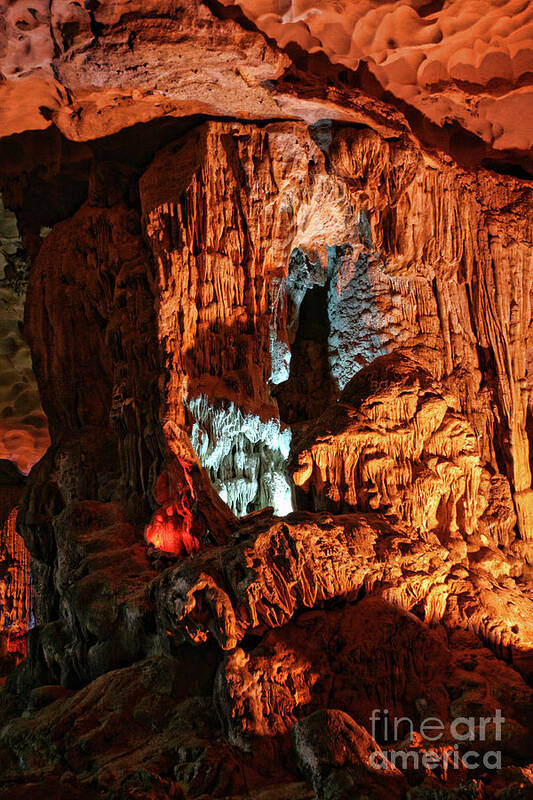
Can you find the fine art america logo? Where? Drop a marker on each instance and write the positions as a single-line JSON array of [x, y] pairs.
[[464, 743]]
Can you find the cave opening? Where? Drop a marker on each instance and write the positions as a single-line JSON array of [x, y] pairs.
[[310, 386]]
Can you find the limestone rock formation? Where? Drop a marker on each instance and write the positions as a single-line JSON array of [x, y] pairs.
[[463, 61], [459, 66], [277, 570], [257, 261], [396, 442], [329, 660], [276, 272], [16, 595]]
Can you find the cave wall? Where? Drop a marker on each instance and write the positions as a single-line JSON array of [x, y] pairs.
[[456, 73], [279, 318]]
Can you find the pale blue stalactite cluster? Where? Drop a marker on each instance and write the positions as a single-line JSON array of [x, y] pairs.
[[245, 457]]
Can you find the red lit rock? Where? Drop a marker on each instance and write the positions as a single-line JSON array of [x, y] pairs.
[[16, 601], [172, 528]]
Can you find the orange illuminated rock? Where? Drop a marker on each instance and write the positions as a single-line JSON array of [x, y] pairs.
[[396, 442], [366, 658], [277, 569], [15, 590], [463, 61], [454, 68], [392, 245]]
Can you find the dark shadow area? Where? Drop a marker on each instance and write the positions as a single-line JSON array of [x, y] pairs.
[[310, 387]]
